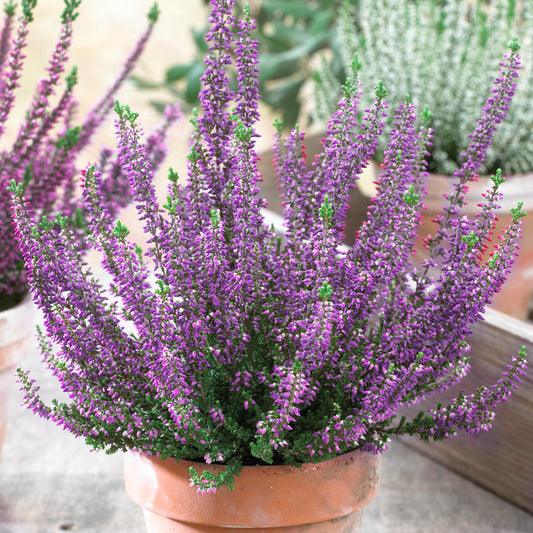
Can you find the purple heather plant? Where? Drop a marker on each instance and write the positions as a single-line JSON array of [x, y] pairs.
[[43, 156], [227, 342]]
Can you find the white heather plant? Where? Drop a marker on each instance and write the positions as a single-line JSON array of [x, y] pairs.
[[225, 343], [442, 54]]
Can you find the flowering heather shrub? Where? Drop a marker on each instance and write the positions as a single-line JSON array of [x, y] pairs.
[[43, 156], [443, 54], [225, 342]]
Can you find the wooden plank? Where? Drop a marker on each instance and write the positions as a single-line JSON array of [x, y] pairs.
[[502, 458]]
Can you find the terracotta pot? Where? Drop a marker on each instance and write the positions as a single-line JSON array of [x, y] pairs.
[[516, 295], [16, 332], [323, 497]]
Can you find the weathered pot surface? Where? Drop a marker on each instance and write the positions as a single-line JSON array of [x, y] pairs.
[[327, 496], [16, 327]]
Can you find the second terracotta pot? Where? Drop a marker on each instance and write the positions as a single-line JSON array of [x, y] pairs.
[[516, 294], [323, 497], [16, 329]]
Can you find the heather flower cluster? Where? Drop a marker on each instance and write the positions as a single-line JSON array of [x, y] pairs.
[[224, 341], [42, 157]]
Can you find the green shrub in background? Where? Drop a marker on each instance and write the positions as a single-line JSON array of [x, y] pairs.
[[442, 53], [290, 33]]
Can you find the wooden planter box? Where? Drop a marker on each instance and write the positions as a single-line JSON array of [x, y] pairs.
[[501, 459]]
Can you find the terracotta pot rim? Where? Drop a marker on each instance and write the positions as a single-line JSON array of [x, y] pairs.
[[264, 496], [217, 467], [506, 175]]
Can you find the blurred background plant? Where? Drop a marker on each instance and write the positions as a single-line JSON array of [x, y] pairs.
[[292, 34], [439, 52], [442, 54], [42, 156]]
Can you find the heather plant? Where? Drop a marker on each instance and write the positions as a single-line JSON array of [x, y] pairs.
[[443, 54], [42, 157], [224, 341]]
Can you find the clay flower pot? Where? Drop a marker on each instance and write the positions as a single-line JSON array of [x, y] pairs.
[[16, 332], [323, 497], [515, 296]]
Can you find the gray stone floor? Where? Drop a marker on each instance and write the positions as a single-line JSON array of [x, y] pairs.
[[51, 482]]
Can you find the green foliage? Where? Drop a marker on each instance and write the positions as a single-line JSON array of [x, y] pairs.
[[517, 212], [325, 291], [291, 33], [242, 133], [172, 176], [426, 115], [326, 211], [411, 198], [27, 9], [70, 139], [216, 480], [62, 220], [193, 155], [70, 13], [125, 112], [10, 8], [72, 78], [261, 449], [162, 288], [154, 13], [513, 45], [471, 239], [380, 90], [497, 178], [177, 72], [44, 224], [120, 230], [79, 221], [15, 188], [215, 218]]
